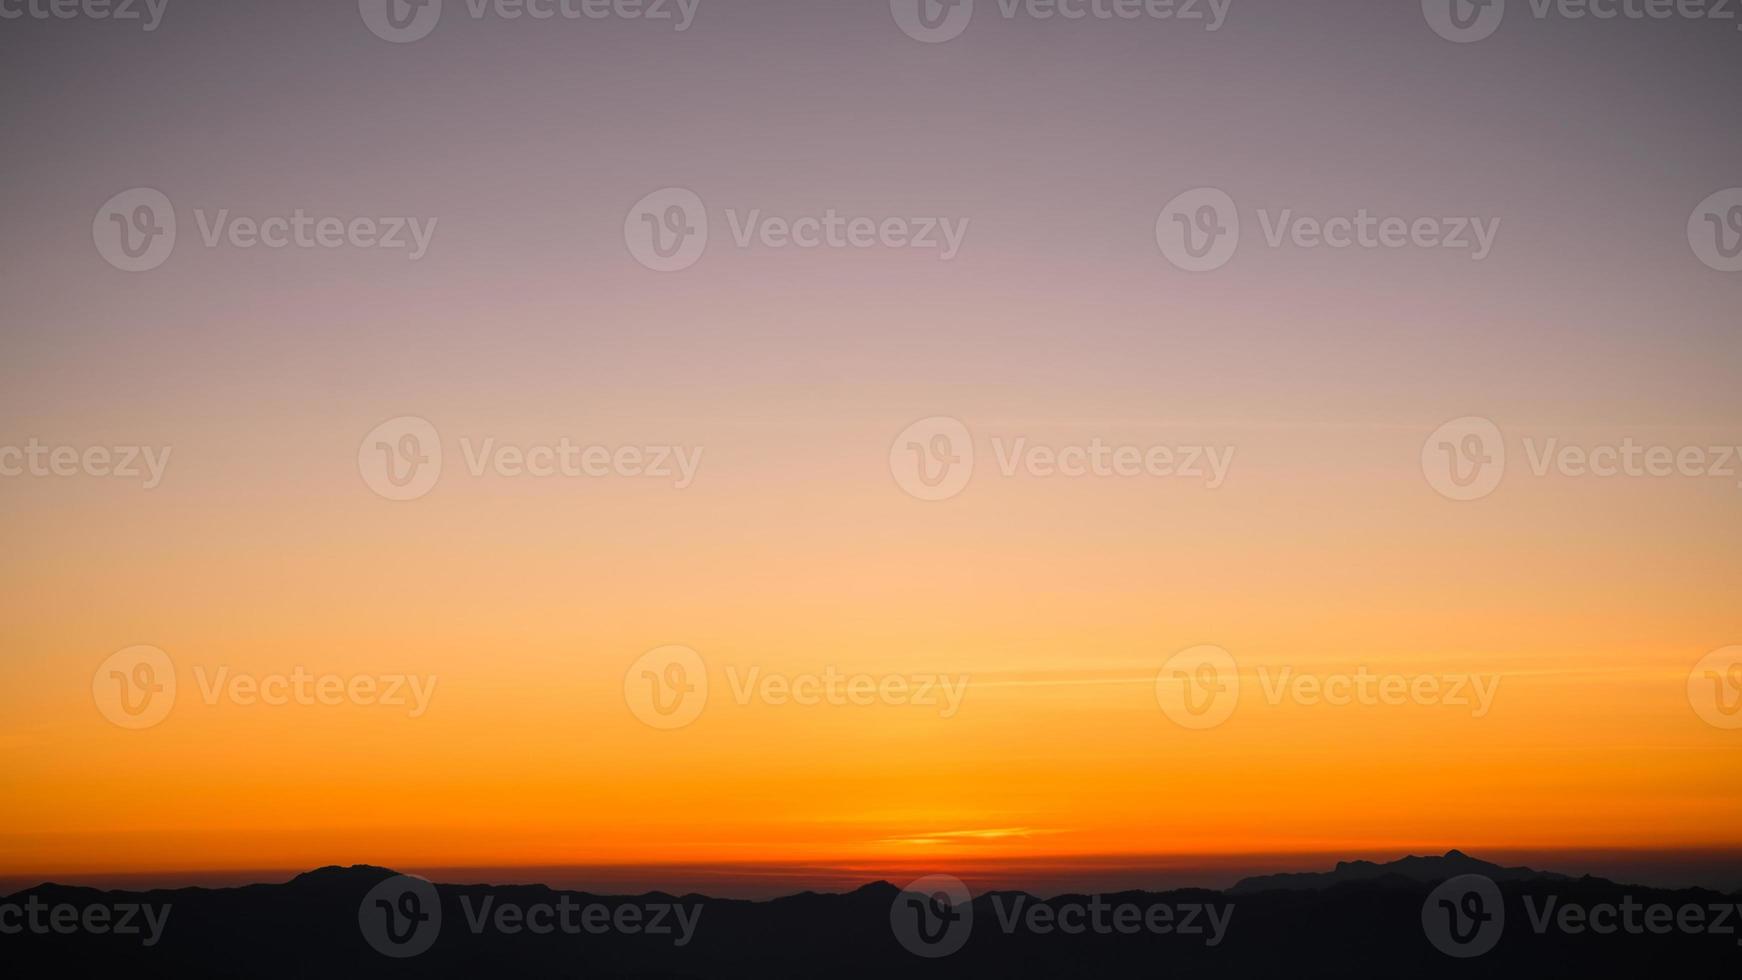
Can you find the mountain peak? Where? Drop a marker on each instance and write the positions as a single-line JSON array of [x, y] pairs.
[[1412, 868], [337, 872], [876, 889]]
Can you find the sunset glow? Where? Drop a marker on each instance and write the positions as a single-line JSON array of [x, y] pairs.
[[463, 666]]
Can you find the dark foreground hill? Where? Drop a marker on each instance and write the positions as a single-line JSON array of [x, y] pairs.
[[1420, 917]]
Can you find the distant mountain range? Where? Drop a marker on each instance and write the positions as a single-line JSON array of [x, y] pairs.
[[1447, 916], [1411, 869]]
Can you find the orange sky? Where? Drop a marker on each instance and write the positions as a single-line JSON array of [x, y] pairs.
[[530, 320], [1058, 601]]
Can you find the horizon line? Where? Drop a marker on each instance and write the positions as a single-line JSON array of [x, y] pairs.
[[1054, 874]]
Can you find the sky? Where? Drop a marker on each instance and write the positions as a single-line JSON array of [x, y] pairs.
[[1271, 478]]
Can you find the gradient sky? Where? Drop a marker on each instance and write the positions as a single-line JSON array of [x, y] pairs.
[[529, 321]]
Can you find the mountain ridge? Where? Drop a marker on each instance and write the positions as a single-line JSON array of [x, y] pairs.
[[1412, 868], [1359, 919]]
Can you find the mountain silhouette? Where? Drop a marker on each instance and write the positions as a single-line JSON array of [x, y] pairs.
[[1360, 919], [1413, 869]]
